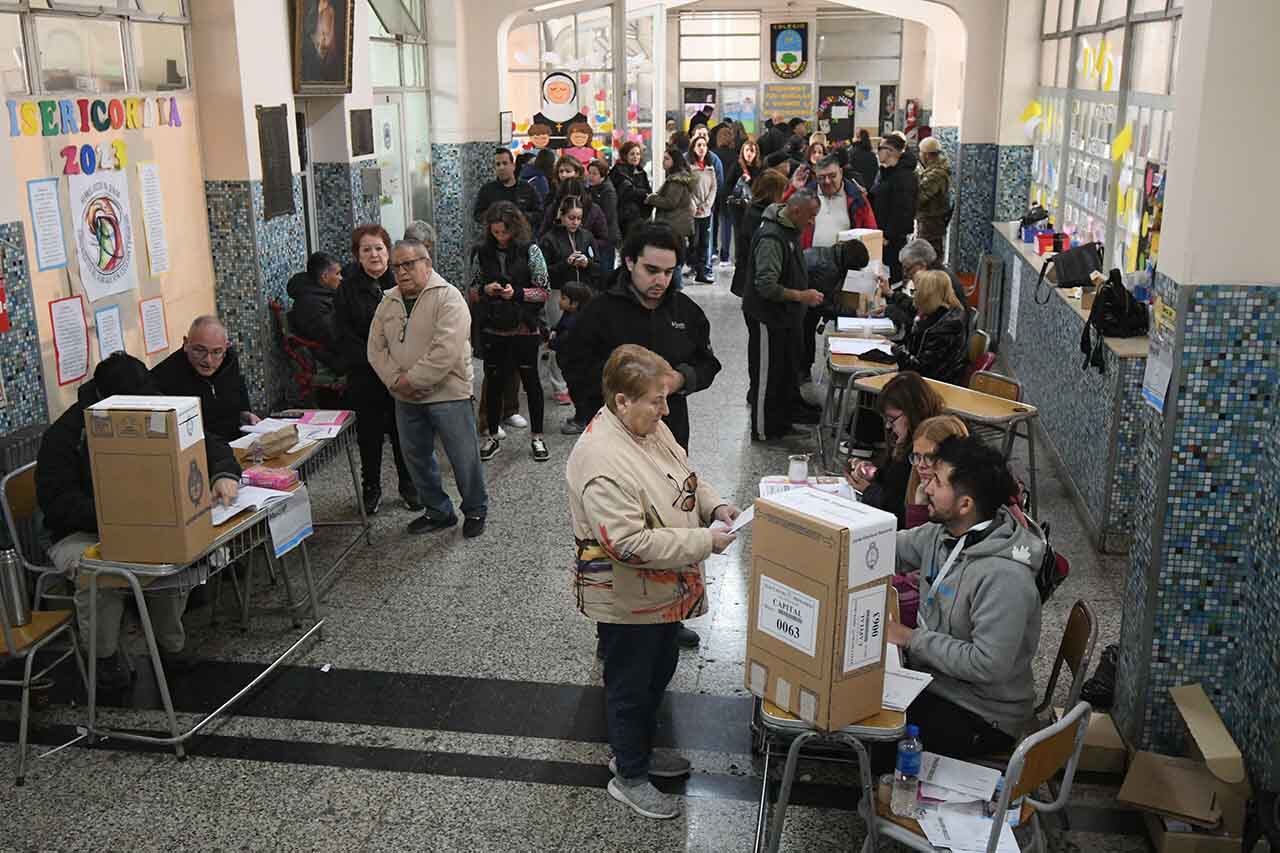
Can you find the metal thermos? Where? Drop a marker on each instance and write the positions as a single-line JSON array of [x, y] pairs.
[[17, 609]]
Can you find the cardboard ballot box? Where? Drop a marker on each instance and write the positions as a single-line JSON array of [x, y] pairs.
[[1196, 803], [150, 478], [819, 582]]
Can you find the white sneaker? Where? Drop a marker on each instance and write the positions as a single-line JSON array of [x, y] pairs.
[[644, 799], [502, 433], [517, 421]]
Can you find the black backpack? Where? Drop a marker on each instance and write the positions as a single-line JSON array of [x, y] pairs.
[[1116, 313], [1072, 268]]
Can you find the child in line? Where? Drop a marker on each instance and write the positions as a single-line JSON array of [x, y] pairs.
[[571, 259], [573, 296]]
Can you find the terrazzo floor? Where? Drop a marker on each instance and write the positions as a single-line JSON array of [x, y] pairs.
[[453, 701]]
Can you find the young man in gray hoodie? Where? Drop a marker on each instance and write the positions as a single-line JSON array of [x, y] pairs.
[[979, 620]]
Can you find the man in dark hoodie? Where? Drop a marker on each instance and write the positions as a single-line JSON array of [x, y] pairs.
[[311, 291], [893, 198], [207, 367], [64, 490], [641, 308], [777, 293]]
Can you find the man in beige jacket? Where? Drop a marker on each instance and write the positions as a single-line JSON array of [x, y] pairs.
[[420, 347]]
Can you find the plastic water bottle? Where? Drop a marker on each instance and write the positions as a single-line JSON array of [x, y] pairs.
[[906, 776]]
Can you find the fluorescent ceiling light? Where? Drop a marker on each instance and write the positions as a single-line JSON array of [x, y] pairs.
[[542, 7]]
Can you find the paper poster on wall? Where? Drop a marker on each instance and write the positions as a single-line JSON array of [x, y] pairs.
[[1159, 369], [787, 99], [46, 224], [866, 108], [110, 332], [153, 217], [1015, 293], [155, 337], [70, 339], [102, 229]]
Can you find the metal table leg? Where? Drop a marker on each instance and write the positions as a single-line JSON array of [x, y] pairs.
[[826, 449], [1031, 463], [311, 581], [868, 786], [355, 483], [784, 792], [762, 814]]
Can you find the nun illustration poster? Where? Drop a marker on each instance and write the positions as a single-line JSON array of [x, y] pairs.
[[559, 107]]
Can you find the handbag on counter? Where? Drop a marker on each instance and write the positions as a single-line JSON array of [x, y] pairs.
[[1116, 313], [1071, 268]]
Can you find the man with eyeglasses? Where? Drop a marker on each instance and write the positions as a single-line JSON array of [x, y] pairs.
[[420, 347], [207, 367], [893, 197]]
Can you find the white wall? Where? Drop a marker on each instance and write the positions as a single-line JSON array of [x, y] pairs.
[[1218, 216], [1021, 71], [215, 64], [328, 117], [917, 71], [266, 72]]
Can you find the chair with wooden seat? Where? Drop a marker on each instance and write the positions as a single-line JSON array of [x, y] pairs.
[[1008, 388], [980, 356], [316, 383], [24, 642], [1075, 652], [18, 503], [1037, 759]]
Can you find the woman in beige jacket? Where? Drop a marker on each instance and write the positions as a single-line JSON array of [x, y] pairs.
[[639, 519]]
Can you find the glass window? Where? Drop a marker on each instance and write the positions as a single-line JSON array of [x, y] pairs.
[[1112, 10], [415, 65], [1142, 6], [558, 44], [719, 25], [161, 7], [1051, 16], [522, 47], [1088, 14], [1048, 62], [160, 57], [595, 39], [704, 71], [1065, 12], [80, 54], [1064, 62], [719, 47], [384, 63], [396, 17], [1177, 50], [13, 67], [524, 97], [376, 29], [418, 154], [1152, 47]]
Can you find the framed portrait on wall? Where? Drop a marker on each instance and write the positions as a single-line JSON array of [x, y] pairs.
[[322, 32]]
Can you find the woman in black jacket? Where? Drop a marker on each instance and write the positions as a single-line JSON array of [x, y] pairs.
[[937, 347], [863, 164], [766, 189], [893, 199], [353, 305], [632, 184], [606, 198], [737, 191]]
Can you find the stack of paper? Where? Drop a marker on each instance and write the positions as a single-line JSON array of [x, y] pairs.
[[865, 325], [901, 685], [249, 497], [965, 828], [859, 346], [267, 425], [955, 795]]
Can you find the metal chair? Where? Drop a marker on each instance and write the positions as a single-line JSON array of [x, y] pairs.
[[980, 355], [998, 385], [311, 376], [1075, 652], [1037, 759], [18, 502]]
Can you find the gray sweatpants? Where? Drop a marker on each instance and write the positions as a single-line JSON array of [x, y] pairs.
[[165, 606]]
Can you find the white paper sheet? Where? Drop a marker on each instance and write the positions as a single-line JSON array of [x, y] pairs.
[[268, 425], [1015, 295], [245, 441], [110, 333], [291, 523], [940, 794], [70, 339], [155, 334], [744, 518], [902, 686], [153, 217], [860, 281], [865, 325], [46, 224], [962, 776], [963, 832], [249, 497], [859, 346], [102, 232], [315, 433]]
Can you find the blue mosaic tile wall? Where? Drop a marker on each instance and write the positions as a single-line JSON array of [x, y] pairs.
[[1078, 408], [1202, 586], [341, 205], [457, 173], [975, 204], [950, 139], [20, 367], [252, 262], [1013, 182]]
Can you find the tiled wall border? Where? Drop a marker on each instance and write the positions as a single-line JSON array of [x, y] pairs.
[[21, 368]]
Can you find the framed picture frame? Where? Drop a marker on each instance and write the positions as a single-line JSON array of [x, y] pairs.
[[505, 127], [322, 44]]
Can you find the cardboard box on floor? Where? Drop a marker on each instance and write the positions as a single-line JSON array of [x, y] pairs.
[[1104, 750], [1196, 804], [819, 581], [150, 478]]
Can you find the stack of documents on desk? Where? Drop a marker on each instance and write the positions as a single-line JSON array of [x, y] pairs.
[[865, 325], [249, 497], [955, 795], [859, 346], [307, 433]]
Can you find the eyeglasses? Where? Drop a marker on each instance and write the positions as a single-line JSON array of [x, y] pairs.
[[202, 353], [890, 420], [686, 494], [405, 266], [829, 177], [928, 460]]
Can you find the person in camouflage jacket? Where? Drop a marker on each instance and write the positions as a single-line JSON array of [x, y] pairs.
[[933, 204]]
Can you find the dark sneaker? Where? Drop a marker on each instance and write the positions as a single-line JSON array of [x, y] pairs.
[[372, 501], [489, 449], [644, 799], [409, 495], [428, 524], [176, 663], [473, 526], [664, 765], [687, 638], [540, 452], [572, 427], [113, 674]]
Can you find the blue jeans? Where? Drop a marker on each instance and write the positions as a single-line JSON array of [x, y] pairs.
[[724, 229], [700, 246], [455, 421], [639, 661]]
